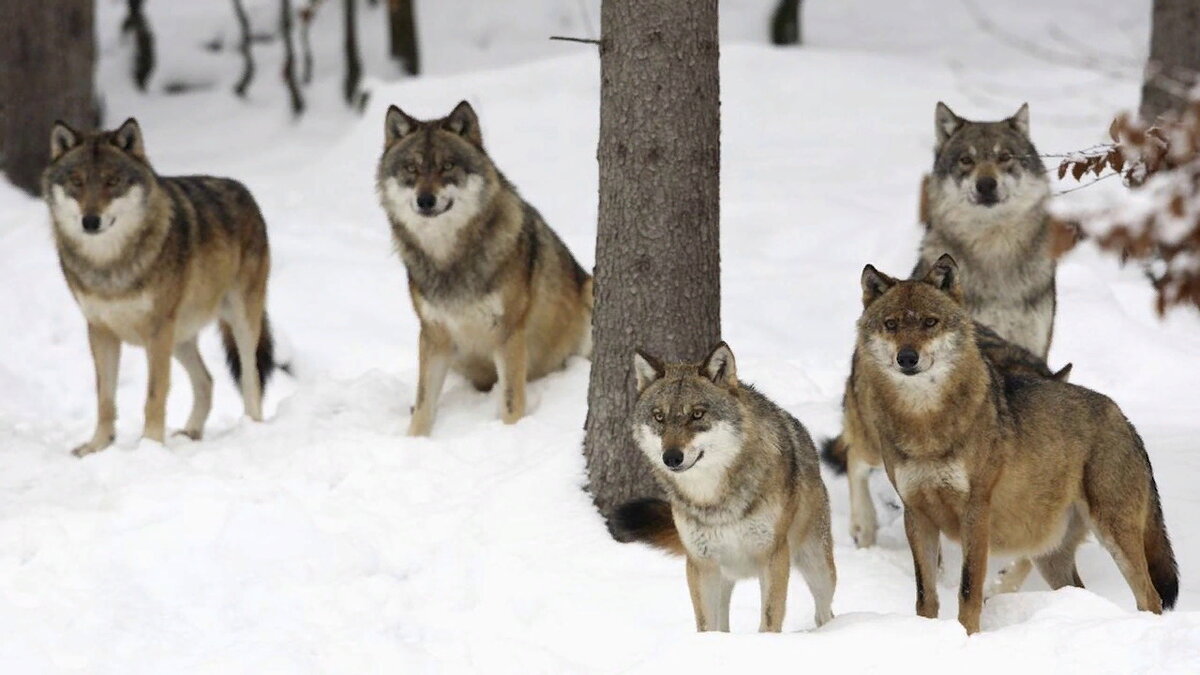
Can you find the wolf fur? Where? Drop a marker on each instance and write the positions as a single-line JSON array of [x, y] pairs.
[[498, 295], [153, 259], [744, 491], [994, 460]]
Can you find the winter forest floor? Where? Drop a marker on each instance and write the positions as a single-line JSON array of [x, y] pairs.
[[326, 541]]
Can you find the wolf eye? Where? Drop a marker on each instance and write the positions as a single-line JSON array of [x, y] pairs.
[[966, 160], [76, 181], [697, 414], [448, 167], [891, 324], [658, 416], [112, 181], [930, 322], [1004, 157], [410, 168]]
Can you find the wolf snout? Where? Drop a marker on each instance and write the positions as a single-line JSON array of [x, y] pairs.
[[673, 458], [426, 202], [907, 359], [986, 187], [91, 223]]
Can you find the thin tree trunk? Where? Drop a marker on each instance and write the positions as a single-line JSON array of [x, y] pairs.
[[143, 43], [402, 29], [1174, 57], [353, 60], [786, 24], [289, 58], [247, 56], [657, 245], [47, 66]]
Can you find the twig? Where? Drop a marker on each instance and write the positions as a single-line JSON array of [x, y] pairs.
[[289, 57], [247, 58], [586, 41], [1085, 185]]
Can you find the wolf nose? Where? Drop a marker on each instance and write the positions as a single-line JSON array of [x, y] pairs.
[[426, 201], [91, 223], [986, 186], [908, 357], [673, 458]]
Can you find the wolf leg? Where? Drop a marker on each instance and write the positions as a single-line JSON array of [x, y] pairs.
[[814, 558], [245, 319], [106, 358], [158, 359], [1058, 566], [863, 523], [923, 541], [1121, 532], [433, 362], [975, 537], [188, 355], [511, 364], [1011, 578], [773, 584], [710, 592]]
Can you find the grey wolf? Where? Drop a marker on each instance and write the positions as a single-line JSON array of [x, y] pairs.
[[743, 487], [498, 295], [153, 259], [993, 460]]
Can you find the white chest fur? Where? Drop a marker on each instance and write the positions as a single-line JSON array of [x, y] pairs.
[[472, 325], [124, 316], [916, 476], [738, 547]]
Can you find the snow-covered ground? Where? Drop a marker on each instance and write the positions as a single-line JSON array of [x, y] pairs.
[[326, 541]]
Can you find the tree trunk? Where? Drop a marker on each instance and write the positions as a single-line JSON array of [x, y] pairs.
[[289, 58], [1174, 57], [657, 245], [143, 43], [785, 23], [47, 63], [402, 28], [244, 46], [353, 60]]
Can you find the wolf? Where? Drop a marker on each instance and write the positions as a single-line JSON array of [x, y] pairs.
[[498, 295], [996, 460], [744, 491], [985, 203], [153, 259]]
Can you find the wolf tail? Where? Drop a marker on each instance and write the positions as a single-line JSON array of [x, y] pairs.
[[834, 453], [648, 521], [264, 354], [1159, 555]]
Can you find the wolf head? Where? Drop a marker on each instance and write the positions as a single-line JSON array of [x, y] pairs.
[[434, 174], [914, 331], [687, 419], [97, 186], [981, 166]]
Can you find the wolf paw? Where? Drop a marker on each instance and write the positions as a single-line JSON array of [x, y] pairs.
[[90, 447], [864, 535], [194, 434]]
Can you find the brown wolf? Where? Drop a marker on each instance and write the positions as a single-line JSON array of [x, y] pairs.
[[744, 490], [153, 259], [995, 460], [498, 294]]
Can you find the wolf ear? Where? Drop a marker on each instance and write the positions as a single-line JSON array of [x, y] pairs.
[[128, 137], [720, 366], [62, 139], [874, 284], [397, 124], [1020, 120], [944, 275], [1064, 373], [463, 121], [648, 369], [945, 123]]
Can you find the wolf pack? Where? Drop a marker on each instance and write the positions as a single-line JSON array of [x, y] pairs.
[[949, 390]]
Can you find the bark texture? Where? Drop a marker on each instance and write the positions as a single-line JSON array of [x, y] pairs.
[[1174, 57], [47, 64], [657, 244], [402, 30]]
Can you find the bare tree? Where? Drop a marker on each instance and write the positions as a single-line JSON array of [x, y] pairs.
[[657, 245], [243, 84], [289, 57], [143, 43], [1174, 57], [402, 29], [47, 65], [786, 24], [353, 60]]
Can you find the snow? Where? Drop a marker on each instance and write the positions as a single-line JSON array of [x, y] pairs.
[[325, 541]]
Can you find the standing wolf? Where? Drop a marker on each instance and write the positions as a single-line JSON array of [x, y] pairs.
[[498, 294], [153, 259], [996, 460], [743, 484], [985, 204]]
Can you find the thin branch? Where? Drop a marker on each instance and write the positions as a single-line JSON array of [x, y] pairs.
[[1087, 185], [353, 60], [586, 41], [289, 58], [143, 41]]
